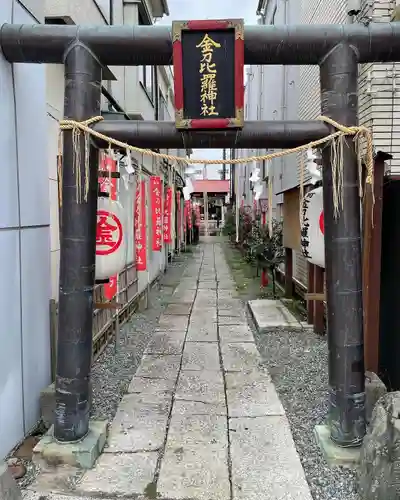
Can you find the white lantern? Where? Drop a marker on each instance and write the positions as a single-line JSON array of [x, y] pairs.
[[110, 238], [312, 227]]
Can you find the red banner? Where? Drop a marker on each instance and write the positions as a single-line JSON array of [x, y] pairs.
[[190, 221], [140, 227], [197, 212], [167, 216], [156, 214], [109, 185], [186, 215], [178, 218]]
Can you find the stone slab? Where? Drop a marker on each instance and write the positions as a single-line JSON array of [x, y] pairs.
[[238, 357], [232, 313], [170, 322], [232, 320], [201, 356], [201, 386], [159, 366], [182, 309], [333, 454], [200, 408], [140, 424], [9, 489], [189, 431], [202, 332], [170, 342], [186, 296], [252, 394], [265, 460], [143, 385], [119, 475], [83, 454], [196, 472], [201, 314], [271, 315], [235, 333]]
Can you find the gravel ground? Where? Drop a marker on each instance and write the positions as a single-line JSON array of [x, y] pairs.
[[298, 364], [113, 371]]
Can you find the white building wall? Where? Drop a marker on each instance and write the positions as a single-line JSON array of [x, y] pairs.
[[24, 238]]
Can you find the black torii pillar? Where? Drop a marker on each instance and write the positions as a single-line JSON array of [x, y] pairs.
[[77, 250], [339, 72]]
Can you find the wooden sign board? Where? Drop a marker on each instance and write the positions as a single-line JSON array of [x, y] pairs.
[[208, 58]]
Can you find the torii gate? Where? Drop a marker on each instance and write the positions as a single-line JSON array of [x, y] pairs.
[[85, 51]]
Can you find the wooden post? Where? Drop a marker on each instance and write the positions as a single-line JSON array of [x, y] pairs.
[[372, 241], [319, 326], [288, 272], [310, 289]]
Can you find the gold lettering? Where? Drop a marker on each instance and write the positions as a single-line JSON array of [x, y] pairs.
[[208, 72]]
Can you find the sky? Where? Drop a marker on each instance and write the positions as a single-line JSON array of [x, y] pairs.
[[210, 9]]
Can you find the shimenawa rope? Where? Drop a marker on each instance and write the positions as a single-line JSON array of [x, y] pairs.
[[336, 140]]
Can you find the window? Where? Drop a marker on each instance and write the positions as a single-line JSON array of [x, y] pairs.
[[147, 80], [162, 107], [146, 73]]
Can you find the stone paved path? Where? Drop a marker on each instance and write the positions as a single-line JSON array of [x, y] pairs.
[[201, 419]]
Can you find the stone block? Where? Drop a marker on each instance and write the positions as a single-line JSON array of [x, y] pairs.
[[252, 394], [333, 454], [170, 342], [145, 385], [9, 489], [202, 332], [379, 469], [235, 333], [265, 463], [238, 357], [170, 322], [197, 472], [140, 424], [206, 387], [159, 366], [272, 315], [201, 356], [120, 475], [374, 390], [178, 309], [82, 454]]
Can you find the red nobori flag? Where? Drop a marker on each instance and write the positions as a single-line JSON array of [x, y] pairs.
[[109, 185], [156, 213], [190, 222], [178, 210], [167, 216], [197, 211], [140, 227], [186, 215]]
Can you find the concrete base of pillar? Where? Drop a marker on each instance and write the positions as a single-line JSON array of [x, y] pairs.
[[9, 489], [335, 455], [82, 454]]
